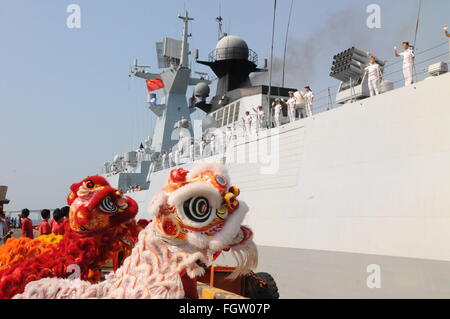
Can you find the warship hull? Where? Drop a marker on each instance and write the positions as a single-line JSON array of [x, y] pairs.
[[361, 187]]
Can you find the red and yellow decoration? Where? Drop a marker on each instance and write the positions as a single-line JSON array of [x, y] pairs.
[[101, 226], [16, 250]]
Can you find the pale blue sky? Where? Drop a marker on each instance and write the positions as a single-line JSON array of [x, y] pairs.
[[67, 104]]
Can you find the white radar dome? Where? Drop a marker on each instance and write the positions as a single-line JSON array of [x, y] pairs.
[[232, 47]]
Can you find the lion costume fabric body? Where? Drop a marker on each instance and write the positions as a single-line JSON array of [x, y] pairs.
[[100, 217], [196, 216], [16, 250]]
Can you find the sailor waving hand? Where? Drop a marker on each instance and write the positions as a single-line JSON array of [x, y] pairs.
[[164, 160], [291, 106], [374, 71], [408, 62], [277, 107]]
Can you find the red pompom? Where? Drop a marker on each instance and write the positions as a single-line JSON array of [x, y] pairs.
[[178, 175]]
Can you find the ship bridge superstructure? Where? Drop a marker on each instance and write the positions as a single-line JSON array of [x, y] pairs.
[[173, 57], [232, 61], [171, 108]]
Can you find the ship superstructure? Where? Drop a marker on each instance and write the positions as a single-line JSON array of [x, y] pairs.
[[232, 62], [353, 189], [172, 112]]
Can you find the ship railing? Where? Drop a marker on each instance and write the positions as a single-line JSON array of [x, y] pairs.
[[324, 99], [207, 153], [233, 53]]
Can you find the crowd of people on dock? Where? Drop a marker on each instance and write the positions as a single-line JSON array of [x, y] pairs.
[[13, 222], [50, 223]]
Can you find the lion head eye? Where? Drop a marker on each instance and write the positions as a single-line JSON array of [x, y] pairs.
[[197, 209], [108, 206], [90, 184]]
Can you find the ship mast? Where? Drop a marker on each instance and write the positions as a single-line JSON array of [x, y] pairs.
[[220, 34], [174, 109], [271, 61], [184, 63], [286, 43], [219, 20]]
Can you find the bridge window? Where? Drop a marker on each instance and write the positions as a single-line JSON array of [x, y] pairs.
[[230, 114], [236, 111], [225, 116], [220, 118]]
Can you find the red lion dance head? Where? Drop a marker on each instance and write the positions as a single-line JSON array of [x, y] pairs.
[[101, 220], [95, 205], [196, 216]]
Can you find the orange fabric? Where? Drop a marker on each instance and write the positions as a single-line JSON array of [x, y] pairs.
[[16, 250]]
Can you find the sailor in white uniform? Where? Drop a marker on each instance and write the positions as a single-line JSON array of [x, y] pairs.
[[176, 156], [192, 151], [151, 169], [374, 71], [228, 138], [164, 160], [229, 135], [408, 62], [247, 119], [260, 118], [170, 157], [201, 145], [212, 144], [291, 106], [277, 112], [309, 100]]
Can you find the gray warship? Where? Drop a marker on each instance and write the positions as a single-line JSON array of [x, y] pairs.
[[357, 192]]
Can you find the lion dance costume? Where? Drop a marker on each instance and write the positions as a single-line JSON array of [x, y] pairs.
[[101, 221], [16, 250], [196, 216]]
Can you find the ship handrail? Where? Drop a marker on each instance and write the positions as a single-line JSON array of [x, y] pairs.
[[252, 55], [323, 94], [239, 127], [387, 66], [417, 53], [419, 63], [389, 74]]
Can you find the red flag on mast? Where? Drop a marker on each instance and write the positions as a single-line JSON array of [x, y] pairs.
[[155, 84]]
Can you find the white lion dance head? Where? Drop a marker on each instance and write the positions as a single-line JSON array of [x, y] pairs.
[[200, 211], [196, 216]]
